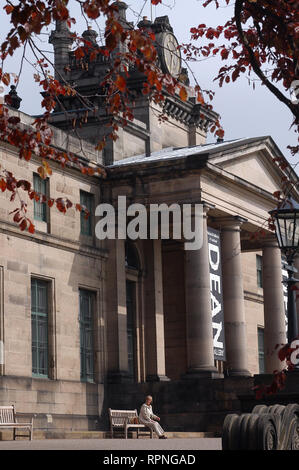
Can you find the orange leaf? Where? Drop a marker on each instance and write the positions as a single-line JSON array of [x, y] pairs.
[[8, 9], [31, 228], [183, 94], [121, 83], [42, 173], [6, 78], [3, 185]]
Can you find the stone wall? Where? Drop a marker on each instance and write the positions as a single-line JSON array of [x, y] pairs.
[[55, 404], [186, 405]]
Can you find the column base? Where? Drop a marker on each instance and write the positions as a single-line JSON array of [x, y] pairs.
[[157, 378], [203, 373], [238, 373], [119, 377]]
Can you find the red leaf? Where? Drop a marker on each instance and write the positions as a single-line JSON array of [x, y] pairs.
[[224, 54], [3, 185], [120, 82], [23, 224], [31, 228], [17, 217]]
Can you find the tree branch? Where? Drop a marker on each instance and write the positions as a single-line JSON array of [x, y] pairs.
[[256, 67]]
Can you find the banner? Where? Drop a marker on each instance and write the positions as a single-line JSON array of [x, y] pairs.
[[285, 292], [216, 293]]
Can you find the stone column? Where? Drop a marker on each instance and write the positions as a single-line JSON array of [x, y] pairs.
[[233, 297], [154, 328], [117, 341], [199, 330], [274, 315]]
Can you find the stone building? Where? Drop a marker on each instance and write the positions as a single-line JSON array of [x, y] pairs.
[[88, 324]]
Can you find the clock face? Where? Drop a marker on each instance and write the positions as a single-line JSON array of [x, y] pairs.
[[171, 54]]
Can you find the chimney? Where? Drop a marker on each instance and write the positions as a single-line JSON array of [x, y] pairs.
[[91, 36], [62, 41], [121, 8], [15, 100], [145, 23]]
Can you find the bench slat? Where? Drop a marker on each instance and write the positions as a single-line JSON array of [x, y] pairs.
[[8, 420], [120, 419]]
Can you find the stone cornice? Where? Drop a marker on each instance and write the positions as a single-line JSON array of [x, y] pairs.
[[54, 241]]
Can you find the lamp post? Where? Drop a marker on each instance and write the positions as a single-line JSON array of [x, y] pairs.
[[286, 221]]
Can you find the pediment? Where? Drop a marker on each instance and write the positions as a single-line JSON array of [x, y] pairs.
[[254, 165]]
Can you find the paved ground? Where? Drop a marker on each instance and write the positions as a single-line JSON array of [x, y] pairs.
[[114, 444]]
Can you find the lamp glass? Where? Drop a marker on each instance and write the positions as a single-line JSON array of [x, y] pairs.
[[287, 228]]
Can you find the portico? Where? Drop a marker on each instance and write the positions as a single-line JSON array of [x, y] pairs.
[[178, 316]]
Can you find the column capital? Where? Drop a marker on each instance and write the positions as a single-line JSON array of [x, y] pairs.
[[232, 222], [270, 241], [207, 206]]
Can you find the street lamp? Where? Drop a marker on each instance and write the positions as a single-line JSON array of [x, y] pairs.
[[286, 221]]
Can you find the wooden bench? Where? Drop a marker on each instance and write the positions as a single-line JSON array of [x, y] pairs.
[[8, 420], [123, 420]]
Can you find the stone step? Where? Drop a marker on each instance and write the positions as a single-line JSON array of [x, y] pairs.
[[62, 434]]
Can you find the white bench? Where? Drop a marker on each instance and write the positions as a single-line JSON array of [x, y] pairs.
[[8, 420], [123, 420]]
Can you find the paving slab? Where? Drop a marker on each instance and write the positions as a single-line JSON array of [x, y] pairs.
[[206, 443]]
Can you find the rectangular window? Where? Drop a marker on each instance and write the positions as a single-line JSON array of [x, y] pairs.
[[259, 270], [261, 350], [39, 324], [41, 187], [87, 305], [86, 200]]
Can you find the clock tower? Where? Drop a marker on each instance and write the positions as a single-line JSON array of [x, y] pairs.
[[167, 46], [186, 123]]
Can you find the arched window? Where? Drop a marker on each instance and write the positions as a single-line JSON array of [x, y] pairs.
[[131, 256]]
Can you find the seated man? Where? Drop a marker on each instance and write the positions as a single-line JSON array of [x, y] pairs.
[[150, 420]]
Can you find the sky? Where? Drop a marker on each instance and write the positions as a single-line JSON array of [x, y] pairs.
[[244, 112]]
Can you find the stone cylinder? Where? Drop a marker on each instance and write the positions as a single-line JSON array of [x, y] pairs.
[[233, 298]]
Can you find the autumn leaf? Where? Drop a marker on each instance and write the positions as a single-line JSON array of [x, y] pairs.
[[6, 79], [224, 54], [47, 167], [23, 225], [8, 9], [31, 228], [17, 217], [42, 172], [183, 94], [121, 83], [3, 185]]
